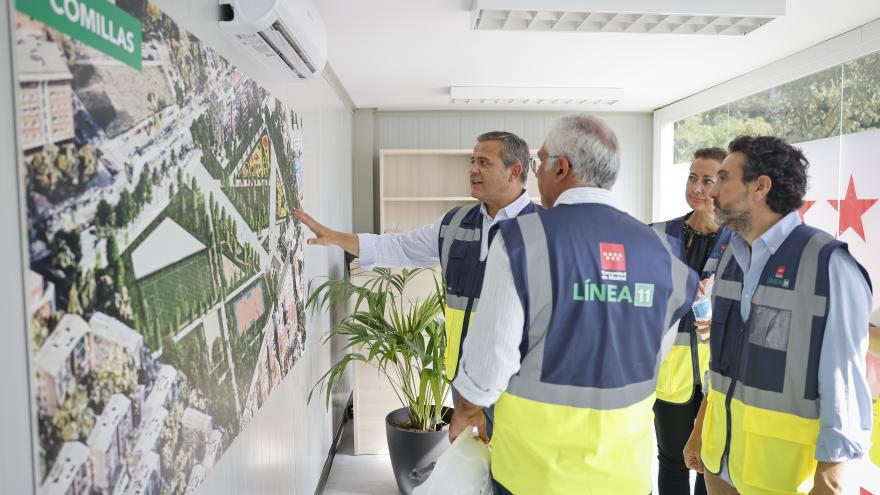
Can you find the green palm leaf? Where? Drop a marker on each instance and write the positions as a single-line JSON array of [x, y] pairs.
[[403, 340]]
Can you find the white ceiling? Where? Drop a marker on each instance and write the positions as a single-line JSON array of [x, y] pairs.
[[405, 54]]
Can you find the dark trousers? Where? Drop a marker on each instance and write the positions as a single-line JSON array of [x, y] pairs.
[[674, 423]]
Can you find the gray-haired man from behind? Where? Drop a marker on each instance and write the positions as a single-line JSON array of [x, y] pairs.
[[579, 306]]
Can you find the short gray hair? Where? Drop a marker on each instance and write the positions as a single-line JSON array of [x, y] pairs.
[[590, 146], [513, 150]]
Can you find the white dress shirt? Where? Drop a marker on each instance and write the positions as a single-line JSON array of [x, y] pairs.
[[491, 350], [420, 246]]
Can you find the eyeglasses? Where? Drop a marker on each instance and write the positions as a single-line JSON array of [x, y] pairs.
[[535, 162]]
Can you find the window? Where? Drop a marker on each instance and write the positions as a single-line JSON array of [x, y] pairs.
[[807, 109]]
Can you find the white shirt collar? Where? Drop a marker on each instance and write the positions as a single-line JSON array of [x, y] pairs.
[[586, 195], [509, 211]]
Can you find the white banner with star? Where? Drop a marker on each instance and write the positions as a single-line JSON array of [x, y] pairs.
[[843, 199]]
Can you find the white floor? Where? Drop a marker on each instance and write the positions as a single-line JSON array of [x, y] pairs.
[[361, 474], [372, 475]]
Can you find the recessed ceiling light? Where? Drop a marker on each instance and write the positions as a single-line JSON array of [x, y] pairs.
[[710, 17], [496, 95]]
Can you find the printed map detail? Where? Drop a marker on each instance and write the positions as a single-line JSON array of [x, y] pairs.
[[165, 282]]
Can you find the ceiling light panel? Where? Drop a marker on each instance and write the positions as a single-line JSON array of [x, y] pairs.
[[496, 95], [708, 17]]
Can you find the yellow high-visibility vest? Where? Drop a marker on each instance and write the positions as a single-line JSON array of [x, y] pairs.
[[577, 418], [460, 244], [763, 401], [675, 379], [875, 434], [460, 232], [682, 371]]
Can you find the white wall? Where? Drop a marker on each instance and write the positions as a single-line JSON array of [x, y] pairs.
[[284, 448], [459, 130], [16, 447], [365, 188], [668, 187]]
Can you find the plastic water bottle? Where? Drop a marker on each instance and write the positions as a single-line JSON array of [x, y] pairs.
[[702, 308]]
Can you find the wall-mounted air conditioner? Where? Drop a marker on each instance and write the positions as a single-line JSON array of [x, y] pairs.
[[288, 32]]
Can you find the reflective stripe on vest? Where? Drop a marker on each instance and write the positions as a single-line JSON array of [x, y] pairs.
[[459, 260], [459, 246], [682, 371], [552, 437], [763, 403]]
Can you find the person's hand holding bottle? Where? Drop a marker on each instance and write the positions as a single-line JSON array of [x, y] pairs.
[[702, 308]]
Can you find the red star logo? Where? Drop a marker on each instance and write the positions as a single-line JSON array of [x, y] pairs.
[[804, 209], [851, 209]]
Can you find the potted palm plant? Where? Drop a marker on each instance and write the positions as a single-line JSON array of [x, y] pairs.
[[405, 340]]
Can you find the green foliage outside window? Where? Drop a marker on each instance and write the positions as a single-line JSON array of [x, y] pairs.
[[861, 94], [806, 109]]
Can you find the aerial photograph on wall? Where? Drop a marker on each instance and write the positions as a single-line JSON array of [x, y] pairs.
[[165, 287]]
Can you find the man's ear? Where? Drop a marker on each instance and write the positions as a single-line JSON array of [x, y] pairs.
[[761, 186], [515, 172], [562, 168]]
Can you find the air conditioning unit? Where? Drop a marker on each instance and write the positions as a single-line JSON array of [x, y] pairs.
[[289, 32]]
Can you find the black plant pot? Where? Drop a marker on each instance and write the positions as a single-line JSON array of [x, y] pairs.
[[413, 453]]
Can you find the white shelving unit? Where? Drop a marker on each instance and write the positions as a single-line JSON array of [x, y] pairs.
[[416, 187]]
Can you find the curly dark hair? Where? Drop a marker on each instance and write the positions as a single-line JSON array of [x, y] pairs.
[[716, 154], [785, 165]]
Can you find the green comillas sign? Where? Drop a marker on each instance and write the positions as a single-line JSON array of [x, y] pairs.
[[97, 23]]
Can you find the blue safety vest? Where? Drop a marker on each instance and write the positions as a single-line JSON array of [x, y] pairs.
[[763, 402], [599, 289], [688, 359], [459, 248]]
